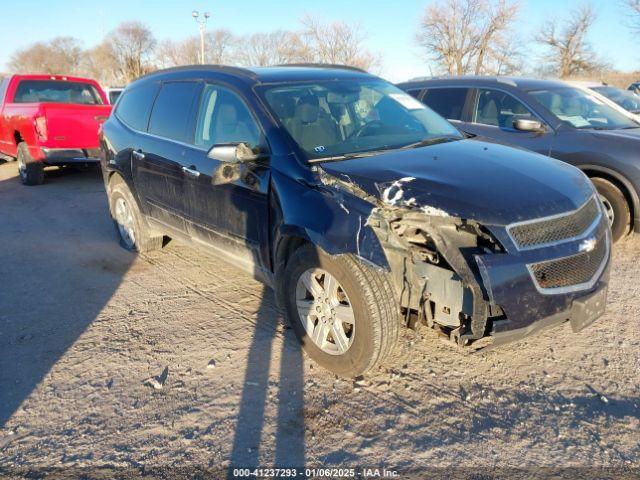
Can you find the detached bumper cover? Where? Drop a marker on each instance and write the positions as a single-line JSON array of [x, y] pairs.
[[583, 312], [56, 156]]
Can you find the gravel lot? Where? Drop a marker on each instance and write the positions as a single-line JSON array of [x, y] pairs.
[[176, 359]]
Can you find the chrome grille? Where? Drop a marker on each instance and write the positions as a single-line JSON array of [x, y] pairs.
[[552, 230], [574, 271]]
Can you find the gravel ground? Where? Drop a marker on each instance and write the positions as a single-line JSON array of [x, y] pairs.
[[177, 359]]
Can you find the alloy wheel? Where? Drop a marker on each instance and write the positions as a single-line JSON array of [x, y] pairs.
[[124, 220], [608, 209], [325, 311]]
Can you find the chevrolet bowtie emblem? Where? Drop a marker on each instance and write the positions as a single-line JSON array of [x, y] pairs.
[[588, 245]]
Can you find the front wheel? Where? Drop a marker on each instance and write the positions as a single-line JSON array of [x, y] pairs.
[[344, 312], [616, 207]]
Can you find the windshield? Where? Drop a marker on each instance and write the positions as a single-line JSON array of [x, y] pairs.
[[579, 109], [331, 119], [626, 99], [57, 91]]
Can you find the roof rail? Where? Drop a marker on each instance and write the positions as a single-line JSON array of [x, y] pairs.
[[245, 72], [323, 65]]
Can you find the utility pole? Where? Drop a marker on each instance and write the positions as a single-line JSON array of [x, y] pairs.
[[202, 23]]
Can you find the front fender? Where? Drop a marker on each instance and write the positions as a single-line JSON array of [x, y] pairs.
[[334, 220]]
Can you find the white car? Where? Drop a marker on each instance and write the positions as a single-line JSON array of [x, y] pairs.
[[623, 100], [113, 93]]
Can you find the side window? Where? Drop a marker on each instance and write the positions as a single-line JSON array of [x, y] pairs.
[[4, 82], [135, 105], [171, 114], [223, 117], [448, 102], [417, 93], [498, 109]]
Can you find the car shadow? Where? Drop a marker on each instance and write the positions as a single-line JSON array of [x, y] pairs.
[[57, 274]]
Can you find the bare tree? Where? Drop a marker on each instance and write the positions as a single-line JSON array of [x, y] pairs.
[[273, 48], [337, 42], [101, 62], [467, 36], [219, 46], [61, 55], [633, 7], [569, 50], [133, 44]]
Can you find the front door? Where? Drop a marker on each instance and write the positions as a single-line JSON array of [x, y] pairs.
[[230, 215]]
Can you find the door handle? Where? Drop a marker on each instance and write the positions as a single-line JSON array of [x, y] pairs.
[[137, 154], [191, 171]]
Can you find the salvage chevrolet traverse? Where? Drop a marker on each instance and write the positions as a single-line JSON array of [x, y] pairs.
[[361, 207]]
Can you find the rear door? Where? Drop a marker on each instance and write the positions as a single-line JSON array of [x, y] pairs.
[[492, 113], [449, 102], [231, 216], [158, 160]]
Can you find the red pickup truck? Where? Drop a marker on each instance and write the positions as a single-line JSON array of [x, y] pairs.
[[50, 120]]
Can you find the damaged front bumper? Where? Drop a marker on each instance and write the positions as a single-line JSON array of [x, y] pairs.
[[473, 282], [583, 312]]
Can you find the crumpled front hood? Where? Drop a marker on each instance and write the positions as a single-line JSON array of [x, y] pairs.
[[470, 179]]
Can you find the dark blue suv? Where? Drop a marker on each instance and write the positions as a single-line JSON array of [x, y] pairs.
[[362, 208], [552, 118]]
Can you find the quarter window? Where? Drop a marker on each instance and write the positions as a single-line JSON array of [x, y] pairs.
[[499, 109], [135, 105], [171, 114], [224, 117], [448, 102]]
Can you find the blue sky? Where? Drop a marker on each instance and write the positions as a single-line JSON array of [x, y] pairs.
[[389, 25]]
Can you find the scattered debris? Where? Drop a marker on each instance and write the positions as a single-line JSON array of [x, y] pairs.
[[211, 364], [158, 382]]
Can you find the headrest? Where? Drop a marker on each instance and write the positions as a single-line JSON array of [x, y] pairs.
[[308, 109]]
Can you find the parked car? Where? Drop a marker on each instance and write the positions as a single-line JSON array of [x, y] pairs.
[[50, 120], [635, 88], [356, 203], [554, 119], [113, 93], [628, 101]]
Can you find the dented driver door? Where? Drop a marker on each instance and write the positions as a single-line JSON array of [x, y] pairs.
[[228, 203]]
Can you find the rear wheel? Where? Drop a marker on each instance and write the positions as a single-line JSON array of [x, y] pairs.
[[128, 221], [616, 207], [31, 171], [344, 312]]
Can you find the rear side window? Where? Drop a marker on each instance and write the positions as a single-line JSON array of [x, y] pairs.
[[448, 102], [415, 93], [3, 88], [135, 105], [171, 114], [57, 91]]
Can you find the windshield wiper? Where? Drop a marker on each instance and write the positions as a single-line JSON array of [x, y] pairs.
[[430, 141], [349, 156]]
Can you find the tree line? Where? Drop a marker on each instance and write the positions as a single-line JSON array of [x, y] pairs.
[[455, 37], [462, 37], [131, 50]]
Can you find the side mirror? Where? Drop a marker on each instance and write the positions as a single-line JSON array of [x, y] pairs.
[[235, 153], [528, 125]]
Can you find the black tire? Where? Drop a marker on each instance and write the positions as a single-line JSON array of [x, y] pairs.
[[372, 299], [31, 171], [142, 240], [616, 206]]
